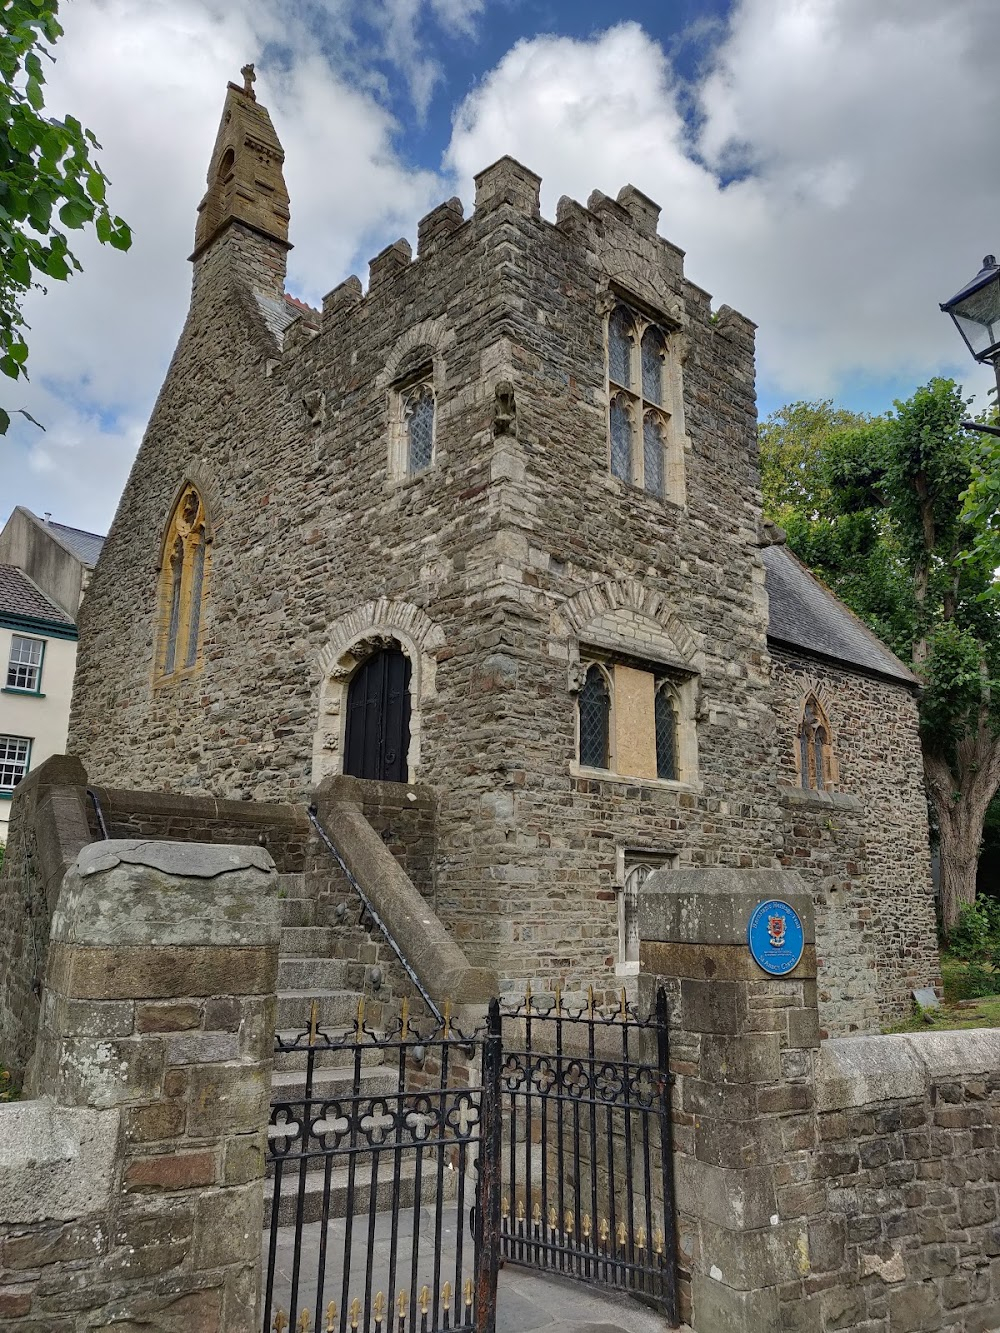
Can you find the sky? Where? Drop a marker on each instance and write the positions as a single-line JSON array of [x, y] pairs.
[[829, 166]]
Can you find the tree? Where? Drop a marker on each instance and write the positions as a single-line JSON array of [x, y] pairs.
[[49, 178], [876, 507]]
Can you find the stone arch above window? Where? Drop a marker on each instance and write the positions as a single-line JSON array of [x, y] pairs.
[[815, 762], [625, 616], [183, 586], [352, 639]]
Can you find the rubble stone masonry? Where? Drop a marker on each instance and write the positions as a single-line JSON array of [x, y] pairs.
[[514, 552]]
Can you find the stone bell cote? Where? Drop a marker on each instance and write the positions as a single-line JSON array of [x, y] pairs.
[[245, 180]]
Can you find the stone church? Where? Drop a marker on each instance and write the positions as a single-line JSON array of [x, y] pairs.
[[491, 526]]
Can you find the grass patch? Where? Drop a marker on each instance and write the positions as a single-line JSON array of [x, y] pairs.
[[961, 1009]]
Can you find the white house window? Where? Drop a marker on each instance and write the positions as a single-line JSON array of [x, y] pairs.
[[24, 669], [417, 406], [14, 754], [642, 430]]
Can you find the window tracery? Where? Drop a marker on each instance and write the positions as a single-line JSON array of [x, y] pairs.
[[640, 405], [183, 584]]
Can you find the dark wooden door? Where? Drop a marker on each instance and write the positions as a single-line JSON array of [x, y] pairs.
[[378, 718]]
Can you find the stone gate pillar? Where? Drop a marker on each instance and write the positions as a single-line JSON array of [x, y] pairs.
[[131, 1174], [743, 1047]]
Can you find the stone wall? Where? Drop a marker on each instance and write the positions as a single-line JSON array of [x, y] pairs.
[[283, 829], [849, 1184], [48, 828], [493, 569], [403, 816], [863, 847], [132, 1187]]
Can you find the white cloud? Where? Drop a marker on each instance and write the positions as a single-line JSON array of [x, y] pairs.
[[841, 183]]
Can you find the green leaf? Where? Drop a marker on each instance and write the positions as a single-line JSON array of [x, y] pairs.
[[9, 367], [4, 422], [76, 213]]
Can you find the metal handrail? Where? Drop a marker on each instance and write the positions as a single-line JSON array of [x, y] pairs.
[[98, 812], [366, 903]]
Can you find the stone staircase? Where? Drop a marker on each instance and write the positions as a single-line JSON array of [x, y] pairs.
[[326, 956]]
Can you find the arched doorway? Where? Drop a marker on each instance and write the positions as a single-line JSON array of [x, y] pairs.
[[378, 718]]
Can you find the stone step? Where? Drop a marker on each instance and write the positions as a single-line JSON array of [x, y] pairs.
[[300, 973], [298, 912], [330, 1082], [313, 1187], [313, 941], [293, 886], [325, 1057], [337, 1008]]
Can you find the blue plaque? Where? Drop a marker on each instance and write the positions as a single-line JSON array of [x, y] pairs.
[[775, 937]]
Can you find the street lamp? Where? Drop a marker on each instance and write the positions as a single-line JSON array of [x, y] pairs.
[[976, 313]]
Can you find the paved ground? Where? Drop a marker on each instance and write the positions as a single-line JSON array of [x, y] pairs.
[[527, 1301]]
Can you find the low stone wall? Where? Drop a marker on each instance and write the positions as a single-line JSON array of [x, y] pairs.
[[905, 1178], [131, 1187], [283, 829]]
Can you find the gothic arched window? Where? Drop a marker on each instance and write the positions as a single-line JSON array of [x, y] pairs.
[[641, 402], [417, 405], [183, 583], [815, 751], [595, 720], [665, 722]]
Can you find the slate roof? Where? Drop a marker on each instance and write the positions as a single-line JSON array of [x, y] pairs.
[[805, 614], [86, 546], [19, 596]]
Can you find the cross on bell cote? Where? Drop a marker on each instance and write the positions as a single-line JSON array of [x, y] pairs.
[[249, 79]]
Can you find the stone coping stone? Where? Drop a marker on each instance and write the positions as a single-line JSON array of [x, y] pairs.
[[857, 1071], [56, 1162], [135, 891], [714, 906]]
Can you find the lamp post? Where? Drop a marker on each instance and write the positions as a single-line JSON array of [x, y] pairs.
[[975, 311]]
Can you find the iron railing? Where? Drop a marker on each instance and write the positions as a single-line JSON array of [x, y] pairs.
[[382, 1213]]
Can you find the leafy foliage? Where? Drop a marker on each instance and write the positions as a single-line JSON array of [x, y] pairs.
[[975, 940], [49, 178], [877, 506]]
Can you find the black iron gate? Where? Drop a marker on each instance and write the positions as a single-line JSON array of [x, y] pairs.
[[406, 1166], [587, 1161]]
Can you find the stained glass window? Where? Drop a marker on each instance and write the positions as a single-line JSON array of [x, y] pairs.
[[173, 628], [652, 454], [183, 584], [595, 720], [666, 734], [621, 333], [418, 414], [653, 352], [621, 439]]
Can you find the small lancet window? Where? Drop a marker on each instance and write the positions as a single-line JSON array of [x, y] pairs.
[[666, 733], [621, 438], [653, 449], [621, 339], [418, 420], [814, 747], [183, 584], [595, 720], [654, 351]]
